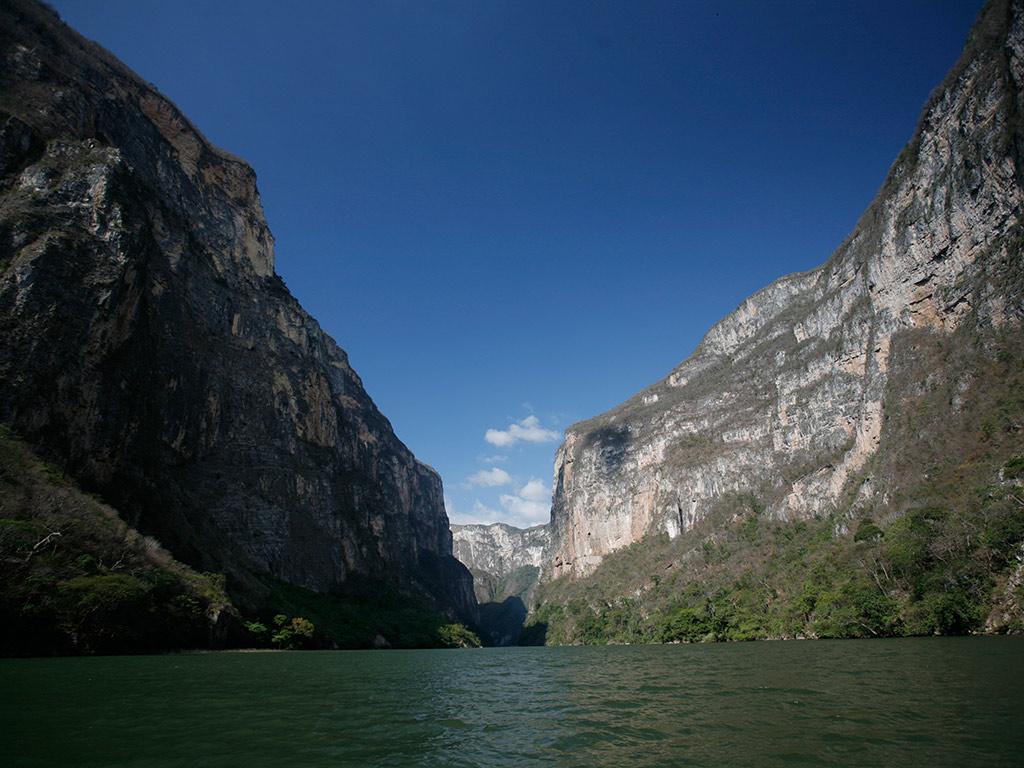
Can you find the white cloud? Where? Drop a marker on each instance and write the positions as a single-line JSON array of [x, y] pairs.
[[530, 506], [495, 459], [528, 430], [485, 514], [535, 490], [523, 513], [489, 478], [480, 514]]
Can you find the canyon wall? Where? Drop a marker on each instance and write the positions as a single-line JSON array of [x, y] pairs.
[[785, 400], [495, 552], [149, 348]]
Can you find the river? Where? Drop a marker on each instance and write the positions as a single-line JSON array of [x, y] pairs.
[[903, 702]]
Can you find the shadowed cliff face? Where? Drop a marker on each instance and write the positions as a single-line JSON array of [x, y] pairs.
[[146, 343], [786, 400]]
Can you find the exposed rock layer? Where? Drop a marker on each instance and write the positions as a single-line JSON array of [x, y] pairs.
[[495, 552], [147, 344], [506, 563], [785, 399]]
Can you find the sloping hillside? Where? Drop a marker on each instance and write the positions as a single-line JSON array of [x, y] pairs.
[[75, 578], [838, 456]]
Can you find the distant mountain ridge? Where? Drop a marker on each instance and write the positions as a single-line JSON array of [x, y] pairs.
[[506, 564], [494, 552]]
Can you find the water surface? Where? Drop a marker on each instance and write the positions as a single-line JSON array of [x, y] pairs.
[[914, 702]]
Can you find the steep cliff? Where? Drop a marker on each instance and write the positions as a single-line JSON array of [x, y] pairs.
[[503, 559], [799, 400], [148, 347], [75, 579], [506, 563]]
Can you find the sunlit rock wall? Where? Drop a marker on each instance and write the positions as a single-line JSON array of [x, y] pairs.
[[785, 398]]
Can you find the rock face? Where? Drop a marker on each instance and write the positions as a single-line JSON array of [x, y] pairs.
[[148, 346], [495, 552], [127, 594], [506, 564], [786, 398]]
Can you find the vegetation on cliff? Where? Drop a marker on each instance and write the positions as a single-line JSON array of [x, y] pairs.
[[940, 551], [369, 615], [75, 578]]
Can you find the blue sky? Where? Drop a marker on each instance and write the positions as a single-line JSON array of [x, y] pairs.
[[514, 215]]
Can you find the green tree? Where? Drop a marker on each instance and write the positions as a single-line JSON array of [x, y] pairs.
[[290, 635], [457, 636]]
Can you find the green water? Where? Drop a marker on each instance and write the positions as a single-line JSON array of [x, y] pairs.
[[915, 702]]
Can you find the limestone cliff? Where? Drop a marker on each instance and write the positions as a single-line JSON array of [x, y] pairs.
[[147, 345], [787, 400], [503, 559], [506, 564]]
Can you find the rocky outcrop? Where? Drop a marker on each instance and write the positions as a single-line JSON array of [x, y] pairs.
[[784, 401], [496, 552], [506, 564], [499, 548], [147, 345]]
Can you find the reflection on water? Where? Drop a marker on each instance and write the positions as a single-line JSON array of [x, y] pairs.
[[929, 702]]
